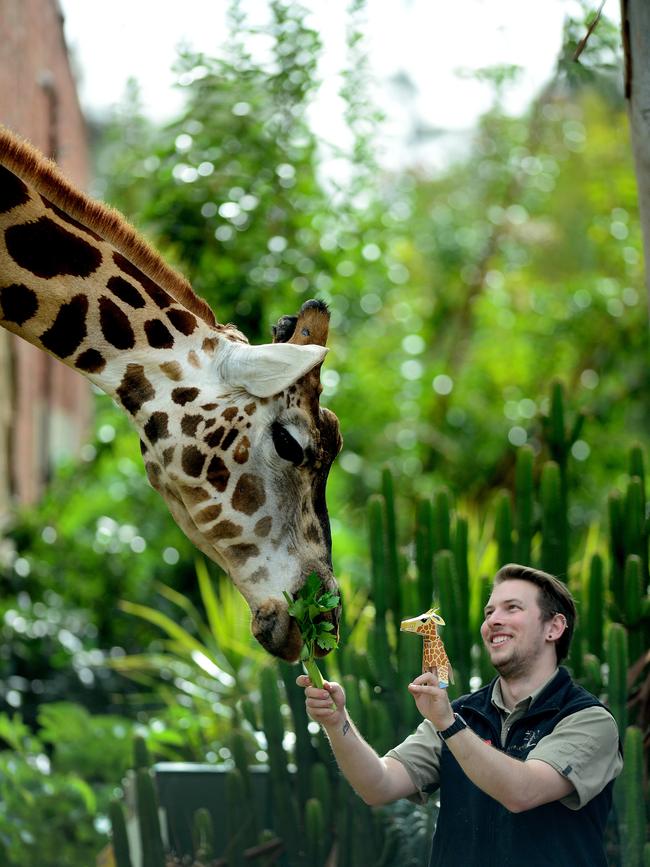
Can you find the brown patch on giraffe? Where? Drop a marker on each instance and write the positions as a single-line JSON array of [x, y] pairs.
[[229, 413], [181, 396], [153, 290], [250, 408], [218, 474], [172, 370], [182, 321], [115, 324], [70, 220], [158, 335], [168, 455], [156, 427], [189, 424], [144, 448], [258, 575], [241, 453], [193, 494], [18, 302], [226, 530], [312, 534], [68, 330], [193, 359], [239, 554], [91, 361], [209, 345], [209, 406], [48, 250], [193, 461], [229, 439], [248, 495], [126, 292], [213, 439], [210, 423], [153, 473], [135, 389], [263, 527], [208, 515], [13, 191]]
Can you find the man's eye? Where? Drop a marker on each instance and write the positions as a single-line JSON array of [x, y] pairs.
[[288, 448]]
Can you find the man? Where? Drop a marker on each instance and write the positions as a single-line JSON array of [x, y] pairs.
[[525, 765]]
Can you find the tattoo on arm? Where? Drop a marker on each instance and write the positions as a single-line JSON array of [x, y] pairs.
[[346, 727]]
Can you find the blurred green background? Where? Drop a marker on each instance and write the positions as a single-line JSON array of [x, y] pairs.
[[457, 296]]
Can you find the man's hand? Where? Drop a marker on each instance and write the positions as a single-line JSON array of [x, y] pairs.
[[319, 702], [432, 701]]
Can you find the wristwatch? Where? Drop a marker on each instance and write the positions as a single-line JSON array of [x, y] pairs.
[[457, 726]]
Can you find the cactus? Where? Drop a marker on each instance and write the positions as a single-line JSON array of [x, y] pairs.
[[141, 758], [455, 637], [424, 552], [315, 833], [280, 781], [202, 834], [503, 529], [321, 788], [442, 521], [392, 556], [149, 820], [617, 658], [378, 559], [238, 818], [633, 595], [120, 839], [595, 617], [524, 504], [632, 823], [555, 553]]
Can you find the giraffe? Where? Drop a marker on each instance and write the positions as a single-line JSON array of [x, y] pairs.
[[232, 435], [433, 651]]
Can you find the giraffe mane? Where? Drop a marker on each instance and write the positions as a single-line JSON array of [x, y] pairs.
[[43, 174]]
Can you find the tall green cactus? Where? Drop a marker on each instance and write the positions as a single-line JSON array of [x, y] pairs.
[[617, 658], [632, 823], [280, 780], [633, 595], [202, 834], [424, 551], [595, 615], [150, 833], [379, 582], [456, 633], [524, 505], [503, 529], [120, 839], [555, 539], [392, 554], [315, 836]]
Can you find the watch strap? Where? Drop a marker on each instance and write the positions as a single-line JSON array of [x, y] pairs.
[[457, 726]]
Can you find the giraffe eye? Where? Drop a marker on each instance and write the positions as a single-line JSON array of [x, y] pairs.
[[423, 620], [288, 448]]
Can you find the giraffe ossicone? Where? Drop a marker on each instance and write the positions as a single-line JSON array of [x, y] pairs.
[[232, 435], [434, 655]]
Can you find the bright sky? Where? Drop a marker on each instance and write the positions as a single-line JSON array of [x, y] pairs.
[[430, 40]]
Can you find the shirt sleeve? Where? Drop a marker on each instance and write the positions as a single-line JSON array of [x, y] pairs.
[[584, 748], [420, 755]]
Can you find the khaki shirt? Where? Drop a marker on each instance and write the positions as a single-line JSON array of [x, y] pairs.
[[583, 747]]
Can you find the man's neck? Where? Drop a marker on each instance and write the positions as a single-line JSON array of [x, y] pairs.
[[520, 686]]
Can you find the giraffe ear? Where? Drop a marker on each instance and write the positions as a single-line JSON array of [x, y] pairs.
[[268, 369]]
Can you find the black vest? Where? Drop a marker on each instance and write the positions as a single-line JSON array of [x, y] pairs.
[[474, 830]]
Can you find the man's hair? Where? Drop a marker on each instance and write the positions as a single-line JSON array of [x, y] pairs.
[[553, 598]]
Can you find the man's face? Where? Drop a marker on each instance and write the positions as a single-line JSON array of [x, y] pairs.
[[512, 630]]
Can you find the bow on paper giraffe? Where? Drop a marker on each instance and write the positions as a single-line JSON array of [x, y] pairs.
[[433, 651]]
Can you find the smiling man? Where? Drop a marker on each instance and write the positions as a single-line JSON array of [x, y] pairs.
[[525, 765]]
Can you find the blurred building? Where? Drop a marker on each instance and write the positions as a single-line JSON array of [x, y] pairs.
[[44, 406]]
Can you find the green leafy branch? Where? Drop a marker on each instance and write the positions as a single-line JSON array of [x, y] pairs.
[[307, 610]]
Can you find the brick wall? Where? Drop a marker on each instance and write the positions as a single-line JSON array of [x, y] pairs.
[[44, 407]]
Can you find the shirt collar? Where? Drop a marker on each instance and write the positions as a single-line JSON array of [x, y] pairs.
[[524, 703]]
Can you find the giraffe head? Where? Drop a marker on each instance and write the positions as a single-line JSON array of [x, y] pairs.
[[424, 624], [232, 435]]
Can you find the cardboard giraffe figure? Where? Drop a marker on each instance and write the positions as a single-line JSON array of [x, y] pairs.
[[232, 435], [433, 650]]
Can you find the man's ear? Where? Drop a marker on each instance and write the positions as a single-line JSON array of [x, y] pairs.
[[267, 369]]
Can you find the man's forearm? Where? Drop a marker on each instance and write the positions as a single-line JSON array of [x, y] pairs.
[[359, 763], [516, 784]]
